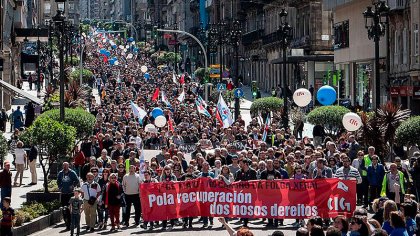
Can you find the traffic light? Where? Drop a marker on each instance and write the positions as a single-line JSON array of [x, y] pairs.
[[254, 89], [328, 75], [154, 32]]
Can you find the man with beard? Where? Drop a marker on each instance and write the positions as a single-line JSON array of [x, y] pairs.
[[245, 174]]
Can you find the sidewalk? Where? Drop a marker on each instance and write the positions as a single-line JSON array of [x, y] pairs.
[[19, 193]]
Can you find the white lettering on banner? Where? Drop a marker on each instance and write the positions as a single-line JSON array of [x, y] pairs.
[[187, 148], [337, 205]]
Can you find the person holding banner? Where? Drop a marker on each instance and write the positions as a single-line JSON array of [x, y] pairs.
[[148, 179], [205, 172], [167, 176], [245, 174]]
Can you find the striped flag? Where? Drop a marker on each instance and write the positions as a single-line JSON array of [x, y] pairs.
[[201, 101], [174, 78], [138, 112], [170, 124], [165, 100], [201, 109], [266, 128]]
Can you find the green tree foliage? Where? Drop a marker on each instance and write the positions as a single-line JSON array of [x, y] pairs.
[[266, 105], [331, 117], [86, 75], [78, 118], [408, 132], [3, 146], [54, 138], [73, 60]]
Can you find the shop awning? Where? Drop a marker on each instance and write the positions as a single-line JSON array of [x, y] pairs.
[[295, 59], [20, 92]]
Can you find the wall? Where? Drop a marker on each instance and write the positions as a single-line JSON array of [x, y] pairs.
[[361, 48]]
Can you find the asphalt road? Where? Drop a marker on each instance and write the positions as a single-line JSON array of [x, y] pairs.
[[256, 226]]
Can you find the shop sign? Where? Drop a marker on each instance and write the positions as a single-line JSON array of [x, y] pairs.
[[403, 91], [416, 92], [394, 91]]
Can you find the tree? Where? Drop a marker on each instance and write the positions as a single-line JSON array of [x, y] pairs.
[[86, 75], [78, 118], [265, 105], [331, 117], [3, 146], [408, 132], [54, 138], [379, 128], [74, 60]]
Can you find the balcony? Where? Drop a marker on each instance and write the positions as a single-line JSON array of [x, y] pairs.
[[250, 37], [303, 42], [270, 38], [247, 4], [395, 5]]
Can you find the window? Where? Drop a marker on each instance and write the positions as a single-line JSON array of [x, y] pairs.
[[416, 46], [405, 46], [341, 35], [396, 47], [47, 8]]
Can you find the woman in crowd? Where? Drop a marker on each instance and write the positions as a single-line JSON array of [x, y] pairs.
[[112, 196], [20, 162], [389, 206], [341, 224], [102, 211], [167, 176], [398, 223]]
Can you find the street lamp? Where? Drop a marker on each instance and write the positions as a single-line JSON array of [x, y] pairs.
[[235, 39], [376, 25], [59, 21], [285, 35]]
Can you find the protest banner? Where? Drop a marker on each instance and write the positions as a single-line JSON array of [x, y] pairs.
[[187, 147], [252, 199]]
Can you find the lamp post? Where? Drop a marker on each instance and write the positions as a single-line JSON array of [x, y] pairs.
[[221, 32], [375, 23], [285, 35], [235, 38], [59, 21]]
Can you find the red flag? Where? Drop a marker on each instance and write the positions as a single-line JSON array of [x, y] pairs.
[[182, 79], [218, 118], [156, 94], [170, 124], [105, 59]]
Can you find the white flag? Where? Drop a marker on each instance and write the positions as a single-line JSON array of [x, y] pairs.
[[181, 97], [224, 112], [174, 78]]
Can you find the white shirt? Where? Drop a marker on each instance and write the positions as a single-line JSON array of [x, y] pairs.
[[20, 156], [92, 192], [131, 184]]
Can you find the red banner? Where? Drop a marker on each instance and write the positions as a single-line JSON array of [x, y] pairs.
[[253, 199]]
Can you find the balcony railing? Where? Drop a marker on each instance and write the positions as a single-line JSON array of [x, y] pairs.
[[271, 38], [252, 36], [397, 4], [302, 42]]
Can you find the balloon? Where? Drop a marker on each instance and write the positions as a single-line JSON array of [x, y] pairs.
[[143, 69], [326, 95], [125, 50], [157, 112], [114, 46], [121, 47], [111, 62], [147, 75], [352, 121], [150, 128], [302, 97], [135, 50], [107, 53], [127, 46], [129, 56], [160, 121], [131, 39], [133, 43], [116, 63], [104, 40]]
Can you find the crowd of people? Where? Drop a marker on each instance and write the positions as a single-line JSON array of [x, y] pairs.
[[103, 177]]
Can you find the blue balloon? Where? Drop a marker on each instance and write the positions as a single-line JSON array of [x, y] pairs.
[[102, 51], [326, 95], [114, 46], [131, 39], [107, 53], [135, 50], [157, 112], [147, 75]]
